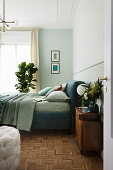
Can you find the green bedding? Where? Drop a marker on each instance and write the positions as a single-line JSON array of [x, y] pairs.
[[18, 110]]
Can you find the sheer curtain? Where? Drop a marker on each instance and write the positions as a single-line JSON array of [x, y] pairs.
[[10, 57], [14, 49], [35, 56]]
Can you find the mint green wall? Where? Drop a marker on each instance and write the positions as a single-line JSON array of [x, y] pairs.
[[55, 39]]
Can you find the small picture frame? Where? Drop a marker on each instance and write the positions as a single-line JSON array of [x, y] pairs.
[[55, 56], [55, 68]]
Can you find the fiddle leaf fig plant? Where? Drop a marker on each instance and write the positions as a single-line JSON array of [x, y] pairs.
[[25, 77]]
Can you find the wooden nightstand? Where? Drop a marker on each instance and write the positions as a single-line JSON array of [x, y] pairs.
[[89, 131]]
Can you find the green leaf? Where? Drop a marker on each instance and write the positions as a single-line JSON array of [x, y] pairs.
[[25, 77]]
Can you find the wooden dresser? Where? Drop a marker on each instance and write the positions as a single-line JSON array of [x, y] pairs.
[[89, 131]]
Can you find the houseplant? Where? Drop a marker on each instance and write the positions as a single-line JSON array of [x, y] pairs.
[[90, 95], [25, 77]]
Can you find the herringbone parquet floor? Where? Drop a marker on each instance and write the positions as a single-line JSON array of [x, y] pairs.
[[46, 150]]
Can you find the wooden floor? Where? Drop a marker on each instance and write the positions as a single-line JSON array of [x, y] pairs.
[[54, 151]]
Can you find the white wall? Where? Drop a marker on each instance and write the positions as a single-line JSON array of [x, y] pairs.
[[88, 41], [90, 74]]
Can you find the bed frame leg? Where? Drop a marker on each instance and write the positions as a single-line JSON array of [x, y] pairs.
[[69, 132]]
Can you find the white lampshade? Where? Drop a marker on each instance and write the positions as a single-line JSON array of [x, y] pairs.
[[81, 89]]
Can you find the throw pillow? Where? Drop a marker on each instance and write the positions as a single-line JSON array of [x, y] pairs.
[[57, 96], [44, 91], [64, 87], [56, 88]]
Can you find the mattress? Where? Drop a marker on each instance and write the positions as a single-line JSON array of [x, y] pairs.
[[46, 106]]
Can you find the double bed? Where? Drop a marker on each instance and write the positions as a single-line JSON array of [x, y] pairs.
[[46, 114]]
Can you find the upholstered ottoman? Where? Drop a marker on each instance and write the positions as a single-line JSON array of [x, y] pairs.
[[9, 148]]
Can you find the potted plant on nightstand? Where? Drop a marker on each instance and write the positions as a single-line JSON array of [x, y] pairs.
[[90, 94]]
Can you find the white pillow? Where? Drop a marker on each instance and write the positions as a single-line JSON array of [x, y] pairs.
[[57, 96], [64, 87]]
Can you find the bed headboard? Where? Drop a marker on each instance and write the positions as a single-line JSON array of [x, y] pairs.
[[75, 98]]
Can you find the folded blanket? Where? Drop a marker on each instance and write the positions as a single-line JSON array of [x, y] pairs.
[[18, 111], [3, 100]]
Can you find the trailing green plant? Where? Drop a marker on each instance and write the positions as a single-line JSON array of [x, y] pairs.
[[25, 77]]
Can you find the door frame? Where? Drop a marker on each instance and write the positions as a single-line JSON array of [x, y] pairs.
[[108, 106]]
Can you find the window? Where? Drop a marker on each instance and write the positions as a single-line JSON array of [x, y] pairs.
[[10, 56]]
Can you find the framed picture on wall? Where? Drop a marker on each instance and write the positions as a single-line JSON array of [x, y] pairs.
[[55, 56], [55, 68]]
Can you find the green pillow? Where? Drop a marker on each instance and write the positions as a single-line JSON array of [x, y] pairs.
[[44, 91]]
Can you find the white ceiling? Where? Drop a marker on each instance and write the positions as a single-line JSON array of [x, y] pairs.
[[40, 13]]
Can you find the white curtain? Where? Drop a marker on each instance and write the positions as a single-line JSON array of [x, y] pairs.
[[35, 57], [15, 47]]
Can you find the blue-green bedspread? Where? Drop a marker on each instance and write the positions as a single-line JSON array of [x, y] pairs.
[[17, 110]]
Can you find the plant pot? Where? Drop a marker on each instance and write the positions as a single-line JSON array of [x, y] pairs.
[[85, 109], [93, 108]]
